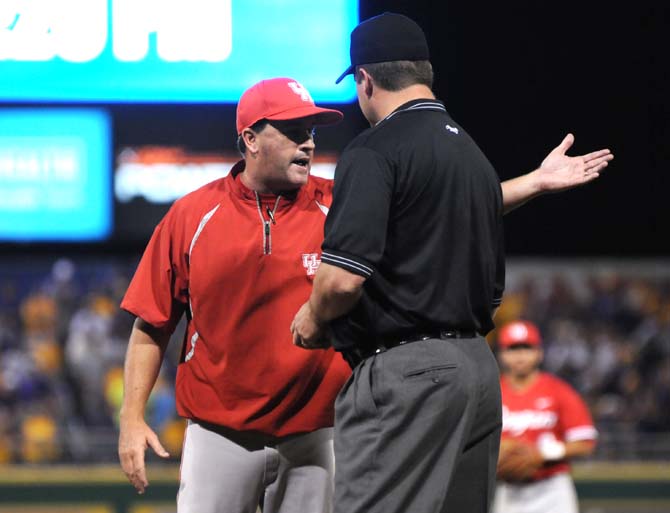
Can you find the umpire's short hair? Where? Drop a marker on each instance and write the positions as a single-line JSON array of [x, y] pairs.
[[258, 126], [397, 75]]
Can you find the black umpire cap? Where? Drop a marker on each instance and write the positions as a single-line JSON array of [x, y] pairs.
[[386, 37]]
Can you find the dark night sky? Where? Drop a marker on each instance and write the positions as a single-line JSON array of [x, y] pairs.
[[520, 75]]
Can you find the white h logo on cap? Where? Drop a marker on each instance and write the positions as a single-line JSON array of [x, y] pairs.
[[300, 90]]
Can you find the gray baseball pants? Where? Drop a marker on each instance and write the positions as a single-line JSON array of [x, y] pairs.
[[229, 474], [417, 429]]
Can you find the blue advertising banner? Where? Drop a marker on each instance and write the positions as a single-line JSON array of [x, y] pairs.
[[55, 176], [171, 51]]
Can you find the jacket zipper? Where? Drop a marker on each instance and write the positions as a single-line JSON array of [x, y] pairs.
[[267, 235]]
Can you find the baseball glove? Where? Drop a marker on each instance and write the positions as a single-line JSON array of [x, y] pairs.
[[518, 461]]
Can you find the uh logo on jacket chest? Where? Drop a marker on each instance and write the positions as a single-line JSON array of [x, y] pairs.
[[311, 261]]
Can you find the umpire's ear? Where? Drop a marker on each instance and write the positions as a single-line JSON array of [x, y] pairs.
[[363, 77]]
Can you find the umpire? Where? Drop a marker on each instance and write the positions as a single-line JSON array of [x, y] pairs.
[[411, 271]]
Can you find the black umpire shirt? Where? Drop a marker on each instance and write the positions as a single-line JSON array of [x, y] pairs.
[[417, 210]]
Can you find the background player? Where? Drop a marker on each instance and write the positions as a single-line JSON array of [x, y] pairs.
[[545, 424]]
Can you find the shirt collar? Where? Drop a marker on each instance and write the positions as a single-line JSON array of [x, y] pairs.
[[419, 104]]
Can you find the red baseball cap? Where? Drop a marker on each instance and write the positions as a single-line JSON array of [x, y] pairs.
[[517, 333], [280, 99]]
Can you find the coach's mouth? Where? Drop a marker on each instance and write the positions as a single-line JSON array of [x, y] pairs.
[[302, 162]]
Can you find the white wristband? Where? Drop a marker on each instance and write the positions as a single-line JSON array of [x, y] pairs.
[[552, 450]]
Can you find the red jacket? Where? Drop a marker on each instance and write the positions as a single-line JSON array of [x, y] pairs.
[[241, 279]]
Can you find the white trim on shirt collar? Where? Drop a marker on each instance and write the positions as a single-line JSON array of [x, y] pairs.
[[429, 105]]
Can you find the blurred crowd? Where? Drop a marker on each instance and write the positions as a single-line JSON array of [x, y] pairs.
[[62, 345], [63, 338]]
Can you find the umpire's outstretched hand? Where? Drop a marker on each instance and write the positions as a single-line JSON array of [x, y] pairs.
[[559, 171]]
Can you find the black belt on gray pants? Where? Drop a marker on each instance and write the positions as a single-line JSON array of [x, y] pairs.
[[355, 355]]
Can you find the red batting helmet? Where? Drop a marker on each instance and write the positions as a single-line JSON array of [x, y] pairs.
[[517, 333]]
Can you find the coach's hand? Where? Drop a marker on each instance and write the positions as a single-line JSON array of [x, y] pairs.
[[134, 439], [307, 331]]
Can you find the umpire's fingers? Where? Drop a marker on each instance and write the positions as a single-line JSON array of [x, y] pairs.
[[565, 144]]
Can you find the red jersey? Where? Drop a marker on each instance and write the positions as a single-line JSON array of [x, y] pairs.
[[549, 409], [240, 265]]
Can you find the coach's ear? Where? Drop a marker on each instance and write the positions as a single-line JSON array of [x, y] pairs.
[[250, 139]]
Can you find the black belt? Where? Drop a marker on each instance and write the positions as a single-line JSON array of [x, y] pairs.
[[355, 355]]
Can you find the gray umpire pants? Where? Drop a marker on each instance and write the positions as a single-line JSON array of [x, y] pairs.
[[417, 429]]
